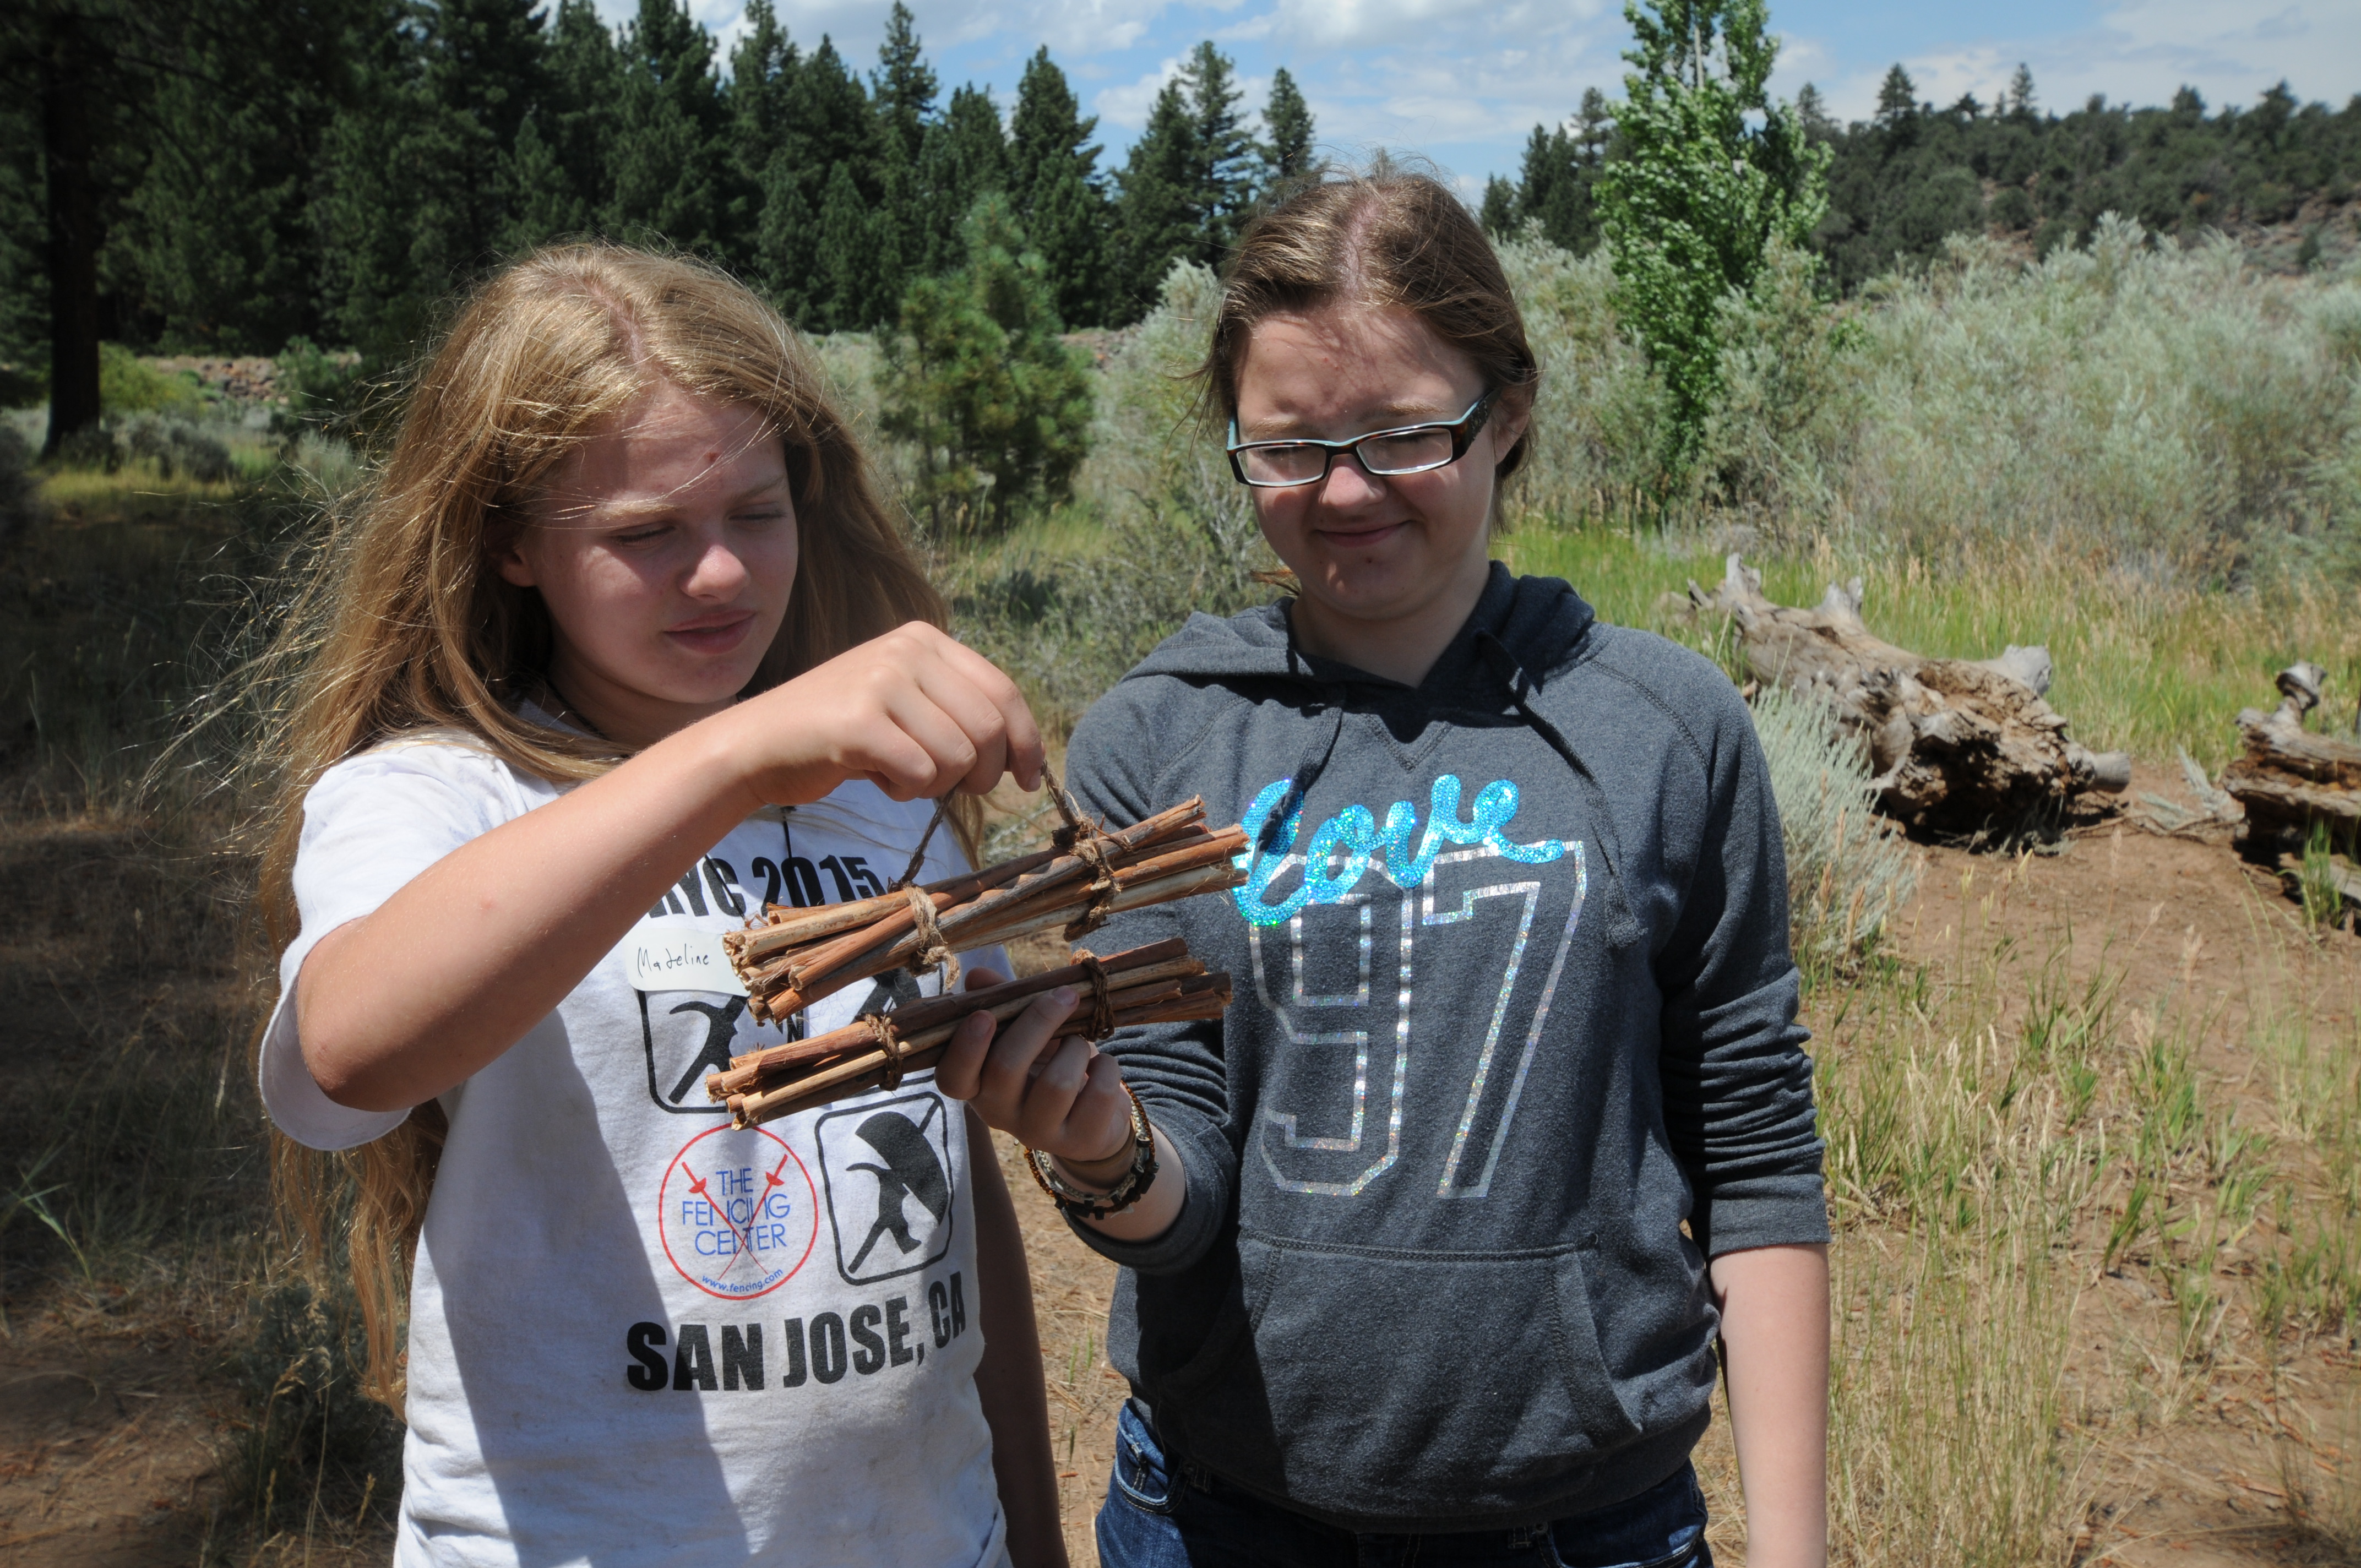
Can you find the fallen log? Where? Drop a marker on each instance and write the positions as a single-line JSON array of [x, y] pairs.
[[1959, 745], [2290, 778]]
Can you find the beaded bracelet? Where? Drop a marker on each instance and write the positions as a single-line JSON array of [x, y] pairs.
[[1099, 1205]]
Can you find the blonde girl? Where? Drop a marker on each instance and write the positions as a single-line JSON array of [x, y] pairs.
[[623, 646]]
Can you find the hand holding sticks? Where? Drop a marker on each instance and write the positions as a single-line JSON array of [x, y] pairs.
[[1089, 873], [1159, 983]]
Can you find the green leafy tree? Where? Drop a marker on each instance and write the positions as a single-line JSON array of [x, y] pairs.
[[980, 380], [1698, 195], [1286, 145], [1054, 180]]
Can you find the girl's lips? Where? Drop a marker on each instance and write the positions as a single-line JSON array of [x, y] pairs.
[[711, 634], [1359, 538]]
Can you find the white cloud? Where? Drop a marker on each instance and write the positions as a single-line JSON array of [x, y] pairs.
[[1426, 26]]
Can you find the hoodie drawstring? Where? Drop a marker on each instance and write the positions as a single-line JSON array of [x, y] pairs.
[[1622, 925]]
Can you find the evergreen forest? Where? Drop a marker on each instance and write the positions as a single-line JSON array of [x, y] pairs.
[[226, 176], [1913, 174]]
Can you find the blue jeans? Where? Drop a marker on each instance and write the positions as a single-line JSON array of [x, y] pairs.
[[1153, 1519]]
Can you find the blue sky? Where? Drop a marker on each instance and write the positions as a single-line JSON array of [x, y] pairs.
[[1463, 84]]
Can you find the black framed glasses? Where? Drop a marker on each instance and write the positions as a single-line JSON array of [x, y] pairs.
[[1412, 449]]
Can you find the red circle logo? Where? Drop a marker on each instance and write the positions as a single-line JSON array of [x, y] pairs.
[[727, 1216]]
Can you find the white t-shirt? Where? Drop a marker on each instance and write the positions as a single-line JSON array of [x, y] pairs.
[[637, 1336]]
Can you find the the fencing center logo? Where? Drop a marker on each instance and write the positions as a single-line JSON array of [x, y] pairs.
[[737, 1212], [887, 1169]]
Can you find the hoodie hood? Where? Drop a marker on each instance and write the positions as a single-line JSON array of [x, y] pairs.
[[1522, 631], [1541, 621]]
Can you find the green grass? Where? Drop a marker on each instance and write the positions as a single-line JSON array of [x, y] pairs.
[[2141, 666]]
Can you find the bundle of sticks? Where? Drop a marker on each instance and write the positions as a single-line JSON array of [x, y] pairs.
[[1159, 983], [1087, 874]]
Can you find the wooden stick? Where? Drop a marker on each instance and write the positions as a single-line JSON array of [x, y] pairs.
[[747, 1109], [890, 921], [794, 928], [1167, 956], [774, 1074]]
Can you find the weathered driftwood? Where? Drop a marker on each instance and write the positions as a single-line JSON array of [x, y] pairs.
[[2290, 777], [1958, 744]]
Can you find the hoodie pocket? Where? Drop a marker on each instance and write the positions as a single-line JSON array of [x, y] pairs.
[[1444, 1384]]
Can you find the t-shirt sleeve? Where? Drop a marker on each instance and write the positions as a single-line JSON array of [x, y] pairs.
[[370, 825]]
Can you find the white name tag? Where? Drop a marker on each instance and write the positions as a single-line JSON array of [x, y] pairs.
[[677, 959]]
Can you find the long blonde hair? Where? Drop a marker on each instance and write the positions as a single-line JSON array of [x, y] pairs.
[[399, 625]]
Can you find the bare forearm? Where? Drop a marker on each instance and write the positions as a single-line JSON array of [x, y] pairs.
[[1774, 1333], [451, 970], [1008, 1380]]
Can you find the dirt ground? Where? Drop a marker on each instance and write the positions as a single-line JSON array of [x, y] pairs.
[[115, 1419]]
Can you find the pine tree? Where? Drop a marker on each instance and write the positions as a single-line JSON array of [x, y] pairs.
[[758, 102], [557, 169], [412, 198], [1813, 115], [1053, 175], [1898, 107], [1498, 213], [1698, 195], [905, 87], [1286, 147], [966, 154], [904, 92], [668, 165], [1156, 212], [979, 381], [2021, 102], [1223, 152], [1184, 190], [788, 244], [853, 258]]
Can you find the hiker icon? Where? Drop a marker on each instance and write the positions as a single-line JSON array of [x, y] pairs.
[[887, 1169]]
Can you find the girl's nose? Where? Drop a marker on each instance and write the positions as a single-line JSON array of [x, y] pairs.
[[1350, 485], [717, 573]]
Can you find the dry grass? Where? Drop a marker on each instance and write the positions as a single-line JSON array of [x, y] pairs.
[[2095, 1121]]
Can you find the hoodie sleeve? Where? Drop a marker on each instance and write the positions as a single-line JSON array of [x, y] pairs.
[[1736, 1082], [1112, 766]]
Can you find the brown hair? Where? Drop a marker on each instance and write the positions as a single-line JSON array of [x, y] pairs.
[[1388, 239], [400, 625]]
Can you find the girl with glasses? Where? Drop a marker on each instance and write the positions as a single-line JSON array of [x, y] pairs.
[[1506, 1150]]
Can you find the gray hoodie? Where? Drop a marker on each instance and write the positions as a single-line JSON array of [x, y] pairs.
[[1514, 1001]]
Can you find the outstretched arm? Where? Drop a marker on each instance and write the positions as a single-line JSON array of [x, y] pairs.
[[398, 1006], [1775, 1336]]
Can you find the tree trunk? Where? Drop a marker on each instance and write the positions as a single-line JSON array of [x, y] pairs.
[[1959, 745], [66, 87], [2291, 778]]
